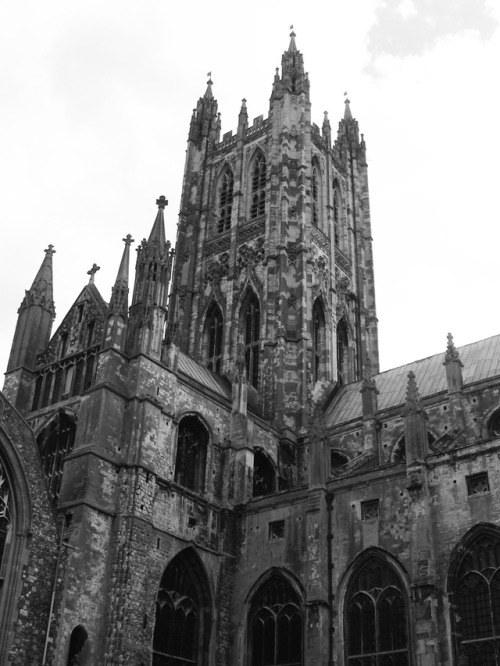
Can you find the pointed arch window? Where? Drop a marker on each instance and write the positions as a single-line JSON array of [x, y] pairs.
[[315, 189], [250, 323], [342, 352], [338, 217], [225, 201], [258, 206], [318, 339], [376, 625], [276, 625], [55, 442], [192, 441], [182, 624], [212, 338], [5, 515], [475, 596]]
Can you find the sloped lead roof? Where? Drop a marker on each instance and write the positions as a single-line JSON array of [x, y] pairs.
[[204, 376], [481, 360]]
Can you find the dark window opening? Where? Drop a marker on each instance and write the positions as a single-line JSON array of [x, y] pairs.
[[342, 352], [376, 618], [277, 530], [370, 509], [77, 382], [258, 187], [225, 201], [336, 215], [182, 616], [251, 334], [58, 379], [264, 476], [78, 645], [318, 339], [192, 441], [89, 373], [476, 603], [337, 460], [37, 393], [47, 389], [276, 625], [54, 443], [80, 311], [90, 333], [494, 426], [63, 345], [212, 338]]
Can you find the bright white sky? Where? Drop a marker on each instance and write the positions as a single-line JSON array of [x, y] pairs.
[[96, 99]]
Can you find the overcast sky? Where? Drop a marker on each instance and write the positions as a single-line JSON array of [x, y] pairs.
[[96, 98]]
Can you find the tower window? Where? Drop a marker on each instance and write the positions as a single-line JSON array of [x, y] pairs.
[[276, 626], [315, 195], [54, 443], [212, 338], [478, 484], [342, 352], [251, 335], [191, 456], [336, 216], [258, 187], [318, 339], [376, 617], [225, 201]]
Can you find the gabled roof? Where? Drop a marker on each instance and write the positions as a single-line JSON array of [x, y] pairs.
[[204, 376], [481, 360]]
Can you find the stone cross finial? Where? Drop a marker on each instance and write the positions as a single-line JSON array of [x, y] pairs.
[[161, 202], [92, 272], [128, 240], [50, 251]]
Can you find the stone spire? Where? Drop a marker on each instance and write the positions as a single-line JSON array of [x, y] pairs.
[[208, 93], [205, 123], [149, 302], [293, 46], [118, 304], [293, 77], [32, 335], [347, 113]]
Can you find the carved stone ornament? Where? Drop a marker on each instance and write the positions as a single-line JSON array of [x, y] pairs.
[[251, 255], [217, 269]]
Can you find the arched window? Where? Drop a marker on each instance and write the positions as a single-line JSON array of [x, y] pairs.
[[475, 596], [342, 352], [376, 625], [318, 340], [258, 206], [275, 625], [78, 647], [315, 194], [494, 425], [339, 231], [190, 461], [54, 443], [212, 338], [225, 201], [5, 517], [182, 625], [250, 324], [264, 476]]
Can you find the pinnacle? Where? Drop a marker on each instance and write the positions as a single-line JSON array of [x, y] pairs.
[[347, 113], [119, 303], [412, 396], [452, 354], [208, 93], [293, 46], [158, 231]]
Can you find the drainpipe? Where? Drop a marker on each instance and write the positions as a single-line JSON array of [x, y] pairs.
[[329, 537]]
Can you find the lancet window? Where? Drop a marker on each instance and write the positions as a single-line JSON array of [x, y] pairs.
[[182, 623], [276, 625], [54, 443], [258, 187], [376, 624], [475, 598], [225, 201], [250, 322], [342, 352], [212, 338], [264, 476], [315, 194], [318, 340], [192, 441]]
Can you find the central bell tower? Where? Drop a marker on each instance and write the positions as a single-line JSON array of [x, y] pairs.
[[273, 279]]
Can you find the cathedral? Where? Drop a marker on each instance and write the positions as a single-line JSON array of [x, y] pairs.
[[211, 470]]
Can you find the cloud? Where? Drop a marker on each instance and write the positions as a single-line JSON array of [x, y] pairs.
[[410, 27]]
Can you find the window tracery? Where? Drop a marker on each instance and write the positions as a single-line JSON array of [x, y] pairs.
[[376, 617], [191, 455], [258, 187], [5, 515], [476, 602], [225, 201], [276, 625]]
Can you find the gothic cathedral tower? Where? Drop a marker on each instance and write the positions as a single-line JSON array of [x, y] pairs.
[[274, 267]]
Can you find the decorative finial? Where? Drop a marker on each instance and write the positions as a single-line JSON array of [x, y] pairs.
[[50, 251], [92, 272], [128, 240], [209, 82], [161, 202], [451, 352]]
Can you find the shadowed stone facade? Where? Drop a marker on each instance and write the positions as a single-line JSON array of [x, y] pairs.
[[229, 479]]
